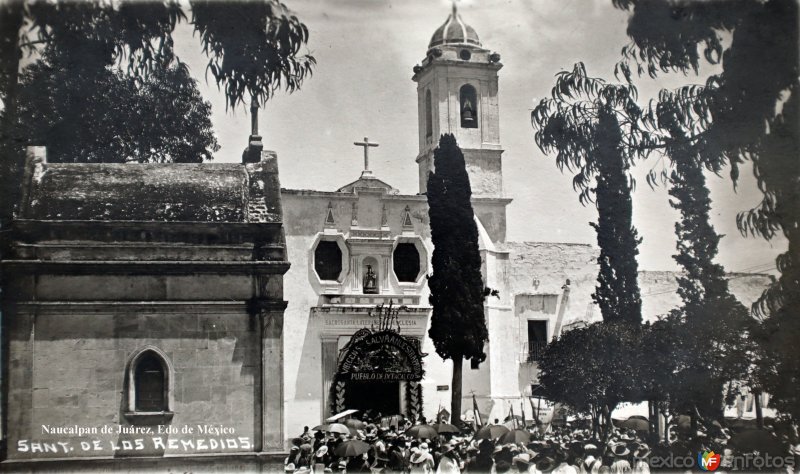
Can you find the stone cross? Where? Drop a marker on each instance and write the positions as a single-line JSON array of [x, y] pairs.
[[366, 144]]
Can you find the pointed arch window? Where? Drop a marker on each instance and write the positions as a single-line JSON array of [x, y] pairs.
[[150, 385], [150, 380], [468, 100], [428, 114]]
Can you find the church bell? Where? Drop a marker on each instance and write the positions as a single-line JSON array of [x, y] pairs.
[[467, 112]]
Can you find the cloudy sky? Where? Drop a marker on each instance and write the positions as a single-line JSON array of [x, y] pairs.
[[362, 86]]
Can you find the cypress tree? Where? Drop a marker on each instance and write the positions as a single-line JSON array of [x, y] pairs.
[[458, 324], [617, 292], [704, 364]]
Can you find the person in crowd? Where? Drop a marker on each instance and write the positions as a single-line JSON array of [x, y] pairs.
[[641, 453], [397, 456], [421, 460], [621, 465], [450, 462]]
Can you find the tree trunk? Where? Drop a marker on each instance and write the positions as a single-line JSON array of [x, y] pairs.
[[455, 390], [606, 414], [759, 413], [11, 19], [655, 421]]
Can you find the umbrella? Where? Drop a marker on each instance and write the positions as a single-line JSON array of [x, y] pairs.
[[756, 440], [636, 423], [491, 432], [515, 437], [333, 428], [341, 415], [422, 432], [350, 448], [443, 428]]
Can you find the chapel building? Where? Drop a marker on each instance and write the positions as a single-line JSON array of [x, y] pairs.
[[139, 296]]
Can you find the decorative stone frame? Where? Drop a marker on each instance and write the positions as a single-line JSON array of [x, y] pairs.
[[340, 241], [149, 417], [423, 260]]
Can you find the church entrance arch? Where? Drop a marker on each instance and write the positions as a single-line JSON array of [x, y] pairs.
[[376, 369]]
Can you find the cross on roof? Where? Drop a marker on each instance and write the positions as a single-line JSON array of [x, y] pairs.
[[366, 144]]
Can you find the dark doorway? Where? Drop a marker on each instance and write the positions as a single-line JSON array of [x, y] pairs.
[[366, 396], [537, 339]]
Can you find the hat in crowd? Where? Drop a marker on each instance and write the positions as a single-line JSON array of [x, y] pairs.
[[485, 445], [546, 464], [522, 458], [423, 447], [306, 448], [502, 465], [322, 451], [641, 452], [417, 456], [289, 467], [590, 448], [620, 450]]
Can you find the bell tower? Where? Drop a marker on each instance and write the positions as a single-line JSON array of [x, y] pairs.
[[457, 93]]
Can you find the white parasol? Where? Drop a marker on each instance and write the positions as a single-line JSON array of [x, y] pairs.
[[340, 415]]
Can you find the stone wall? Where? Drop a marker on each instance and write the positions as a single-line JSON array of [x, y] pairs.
[[68, 368]]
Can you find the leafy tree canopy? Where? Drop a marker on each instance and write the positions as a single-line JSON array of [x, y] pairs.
[[593, 369], [100, 115], [748, 111]]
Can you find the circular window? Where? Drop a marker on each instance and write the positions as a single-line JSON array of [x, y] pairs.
[[406, 262], [465, 54], [328, 260]]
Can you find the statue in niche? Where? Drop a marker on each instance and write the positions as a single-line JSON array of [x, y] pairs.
[[370, 282]]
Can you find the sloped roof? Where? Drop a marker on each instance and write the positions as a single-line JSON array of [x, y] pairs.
[[150, 192], [369, 183]]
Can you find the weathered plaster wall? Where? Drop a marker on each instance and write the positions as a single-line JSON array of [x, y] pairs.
[[305, 215]]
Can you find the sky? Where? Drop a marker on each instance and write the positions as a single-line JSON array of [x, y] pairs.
[[366, 49]]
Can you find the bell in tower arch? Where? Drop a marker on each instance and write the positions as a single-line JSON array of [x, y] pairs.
[[468, 97], [468, 113]]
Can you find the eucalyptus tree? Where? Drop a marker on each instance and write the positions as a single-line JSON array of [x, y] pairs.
[[594, 129], [752, 111]]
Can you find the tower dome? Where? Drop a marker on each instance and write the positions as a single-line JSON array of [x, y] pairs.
[[454, 31]]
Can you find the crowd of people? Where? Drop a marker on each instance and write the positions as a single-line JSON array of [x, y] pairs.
[[569, 449]]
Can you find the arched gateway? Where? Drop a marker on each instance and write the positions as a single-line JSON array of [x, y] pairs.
[[377, 368]]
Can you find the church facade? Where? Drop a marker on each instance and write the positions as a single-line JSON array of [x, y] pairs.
[[201, 315], [368, 244]]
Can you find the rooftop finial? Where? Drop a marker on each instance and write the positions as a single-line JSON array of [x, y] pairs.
[[455, 9]]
